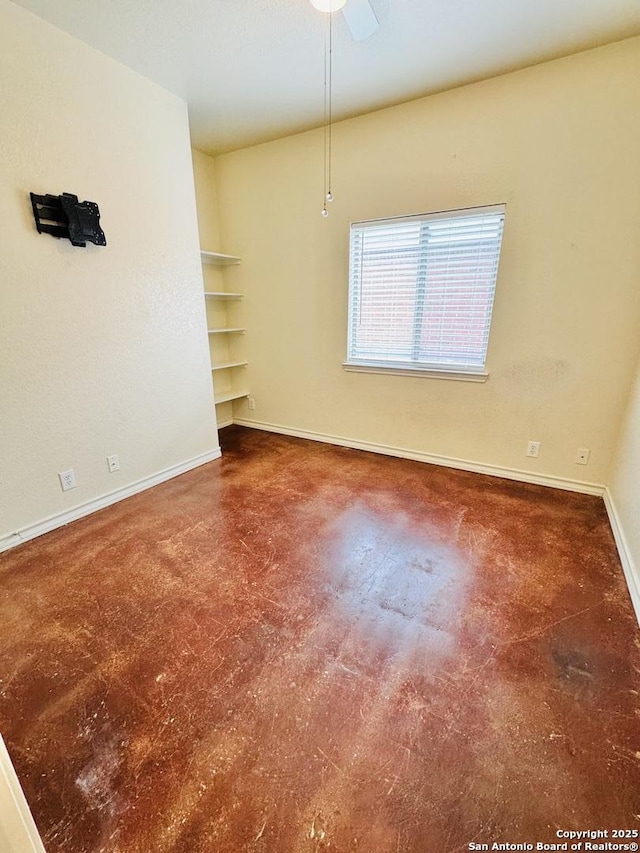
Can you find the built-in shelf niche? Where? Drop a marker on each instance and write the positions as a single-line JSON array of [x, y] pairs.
[[227, 355]]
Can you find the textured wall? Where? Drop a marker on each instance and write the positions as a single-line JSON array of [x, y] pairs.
[[558, 143], [102, 350]]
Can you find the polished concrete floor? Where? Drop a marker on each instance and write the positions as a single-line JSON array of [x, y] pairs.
[[306, 648]]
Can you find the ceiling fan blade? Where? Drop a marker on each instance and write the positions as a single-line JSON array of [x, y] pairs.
[[360, 18]]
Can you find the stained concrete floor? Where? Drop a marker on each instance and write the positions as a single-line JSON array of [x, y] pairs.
[[307, 648]]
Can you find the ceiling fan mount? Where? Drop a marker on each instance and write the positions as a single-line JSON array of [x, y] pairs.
[[360, 17]]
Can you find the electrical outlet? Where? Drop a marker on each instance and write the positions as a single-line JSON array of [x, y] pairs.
[[251, 403], [533, 449], [582, 456], [67, 480], [114, 463]]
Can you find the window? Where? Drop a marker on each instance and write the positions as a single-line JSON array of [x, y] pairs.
[[421, 292]]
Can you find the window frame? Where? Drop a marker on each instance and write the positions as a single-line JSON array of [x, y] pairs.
[[464, 372]]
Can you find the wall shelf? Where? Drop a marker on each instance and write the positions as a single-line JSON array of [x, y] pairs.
[[226, 365], [225, 340], [217, 259], [231, 395], [223, 294]]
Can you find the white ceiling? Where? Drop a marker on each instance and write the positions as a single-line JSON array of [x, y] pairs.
[[252, 70]]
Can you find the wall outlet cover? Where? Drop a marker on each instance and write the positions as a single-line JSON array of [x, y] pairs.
[[67, 480]]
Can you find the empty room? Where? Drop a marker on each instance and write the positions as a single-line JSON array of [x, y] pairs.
[[320, 419]]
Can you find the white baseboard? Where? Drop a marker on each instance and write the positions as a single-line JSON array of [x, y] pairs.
[[10, 540], [446, 461], [223, 424], [17, 827], [631, 574]]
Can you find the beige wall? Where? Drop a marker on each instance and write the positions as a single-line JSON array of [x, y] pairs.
[[625, 485], [18, 832], [102, 350], [559, 144], [204, 173]]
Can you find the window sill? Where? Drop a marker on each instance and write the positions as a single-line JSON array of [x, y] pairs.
[[425, 373]]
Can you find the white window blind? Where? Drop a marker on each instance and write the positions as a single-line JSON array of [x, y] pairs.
[[421, 290]]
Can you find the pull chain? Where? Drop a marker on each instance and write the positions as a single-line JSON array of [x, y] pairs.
[[328, 113]]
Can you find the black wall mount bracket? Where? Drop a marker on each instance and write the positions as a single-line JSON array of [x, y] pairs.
[[65, 216]]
